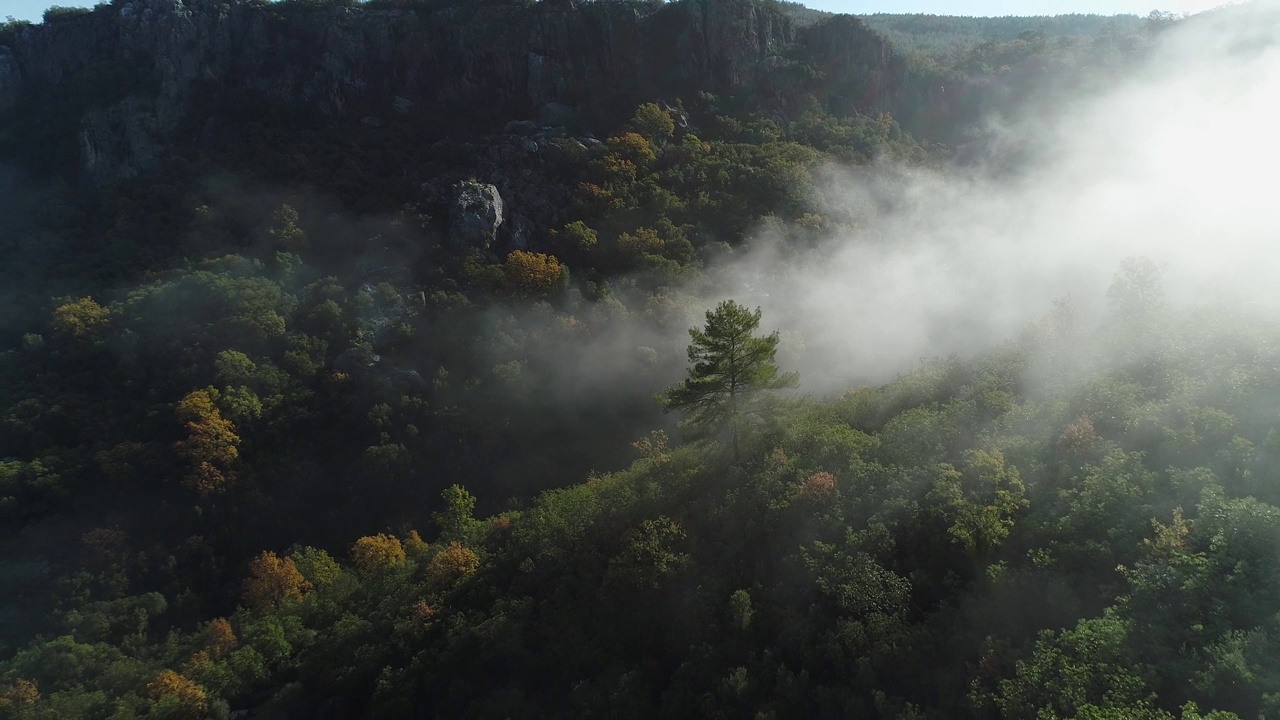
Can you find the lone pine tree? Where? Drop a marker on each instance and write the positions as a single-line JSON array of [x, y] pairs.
[[731, 372]]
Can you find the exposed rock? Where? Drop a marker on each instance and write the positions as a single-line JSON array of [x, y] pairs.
[[554, 113], [520, 127], [356, 361], [364, 366], [521, 231], [10, 82], [476, 215], [121, 140], [565, 64]]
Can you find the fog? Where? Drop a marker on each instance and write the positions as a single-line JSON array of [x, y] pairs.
[[1174, 164]]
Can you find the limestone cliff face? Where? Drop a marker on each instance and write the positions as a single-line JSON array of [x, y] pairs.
[[491, 62]]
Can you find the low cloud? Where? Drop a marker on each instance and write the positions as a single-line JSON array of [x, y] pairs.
[[1174, 163]]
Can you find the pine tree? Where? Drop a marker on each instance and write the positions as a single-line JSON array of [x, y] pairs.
[[731, 372]]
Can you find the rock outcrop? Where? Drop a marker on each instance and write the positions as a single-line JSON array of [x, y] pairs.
[[475, 215], [480, 65]]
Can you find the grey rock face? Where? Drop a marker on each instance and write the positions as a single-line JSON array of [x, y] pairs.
[[521, 232], [121, 140], [541, 59], [554, 113], [10, 82], [476, 215]]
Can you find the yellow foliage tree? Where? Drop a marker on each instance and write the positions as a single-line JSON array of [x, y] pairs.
[[644, 241], [532, 273], [211, 445], [190, 696], [377, 552], [80, 318], [414, 545], [654, 123], [198, 662], [22, 693], [634, 148], [273, 580], [452, 563]]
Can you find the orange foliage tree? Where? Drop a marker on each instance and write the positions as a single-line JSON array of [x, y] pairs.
[[219, 637], [818, 486], [451, 563], [532, 273], [211, 445], [273, 580], [190, 697]]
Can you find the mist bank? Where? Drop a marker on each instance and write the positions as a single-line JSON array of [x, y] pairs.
[[1172, 165]]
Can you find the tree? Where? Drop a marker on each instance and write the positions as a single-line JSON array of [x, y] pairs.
[[184, 697], [452, 563], [211, 445], [273, 580], [531, 273], [730, 373], [377, 552], [284, 230], [81, 318], [653, 123]]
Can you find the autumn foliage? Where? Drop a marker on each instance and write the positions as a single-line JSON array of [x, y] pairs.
[[532, 273], [644, 241], [17, 696], [818, 486], [219, 637], [211, 445], [376, 552], [273, 580], [414, 545], [1079, 437], [632, 147], [190, 696], [451, 563], [80, 318], [422, 611]]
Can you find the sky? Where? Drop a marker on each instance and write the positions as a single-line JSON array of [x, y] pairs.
[[33, 9]]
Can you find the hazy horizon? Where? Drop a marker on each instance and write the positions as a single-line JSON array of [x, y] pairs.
[[32, 10]]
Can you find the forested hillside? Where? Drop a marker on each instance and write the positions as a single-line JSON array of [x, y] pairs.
[[354, 364], [949, 37]]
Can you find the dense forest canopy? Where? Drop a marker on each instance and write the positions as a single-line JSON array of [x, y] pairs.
[[950, 37], [331, 386]]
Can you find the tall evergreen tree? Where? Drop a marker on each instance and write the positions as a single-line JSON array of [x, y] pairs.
[[730, 372]]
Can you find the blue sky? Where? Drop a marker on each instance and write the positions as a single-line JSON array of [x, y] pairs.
[[32, 9]]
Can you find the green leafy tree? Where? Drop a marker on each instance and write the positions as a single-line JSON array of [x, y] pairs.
[[653, 123], [731, 372]]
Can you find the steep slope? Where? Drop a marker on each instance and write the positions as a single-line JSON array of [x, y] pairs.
[[140, 76]]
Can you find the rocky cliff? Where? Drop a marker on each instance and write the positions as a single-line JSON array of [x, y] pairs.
[[146, 66]]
